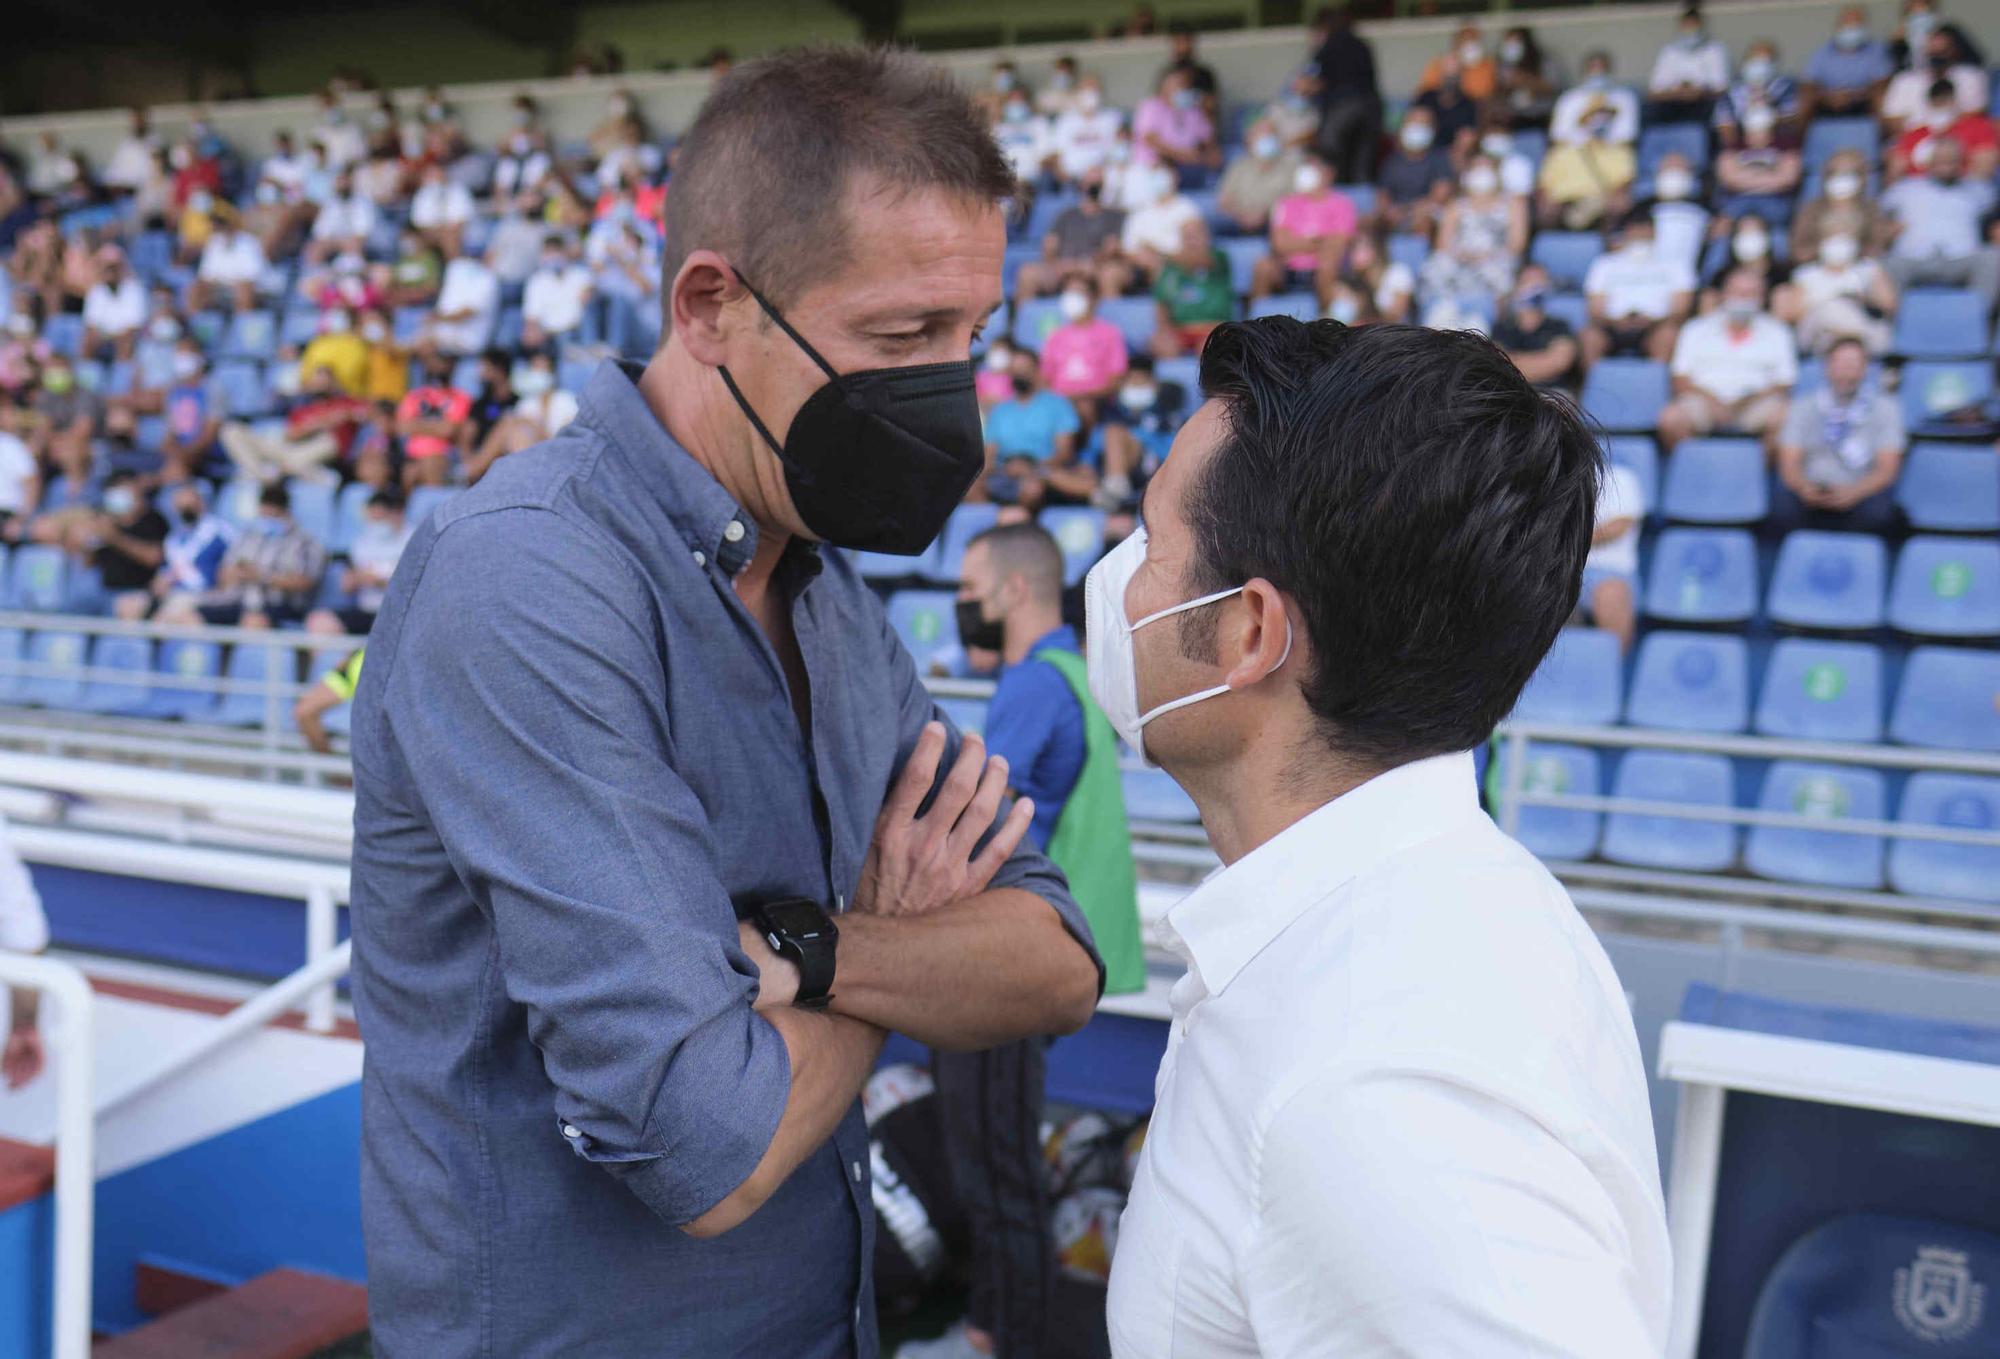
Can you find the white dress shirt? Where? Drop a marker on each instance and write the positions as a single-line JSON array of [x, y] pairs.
[[231, 257], [1731, 364], [1402, 1110], [341, 219], [1706, 67], [116, 311], [468, 286], [441, 205]]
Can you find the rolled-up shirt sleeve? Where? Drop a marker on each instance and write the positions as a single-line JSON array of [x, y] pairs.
[[529, 703]]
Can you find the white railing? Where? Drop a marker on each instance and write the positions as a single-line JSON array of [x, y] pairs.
[[75, 1145]]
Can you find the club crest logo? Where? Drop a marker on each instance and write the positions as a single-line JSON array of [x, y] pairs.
[[1936, 1298]]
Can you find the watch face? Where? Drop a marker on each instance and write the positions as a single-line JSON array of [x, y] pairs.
[[796, 919]]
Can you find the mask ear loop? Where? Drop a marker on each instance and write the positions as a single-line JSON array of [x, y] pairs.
[[728, 381], [1218, 690]]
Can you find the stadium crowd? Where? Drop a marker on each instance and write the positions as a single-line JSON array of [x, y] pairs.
[[232, 378]]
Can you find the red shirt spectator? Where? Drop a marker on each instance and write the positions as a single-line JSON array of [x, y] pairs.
[[337, 414], [200, 175], [1975, 132], [431, 403], [649, 203]]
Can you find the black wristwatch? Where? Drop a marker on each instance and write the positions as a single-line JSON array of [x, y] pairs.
[[800, 930]]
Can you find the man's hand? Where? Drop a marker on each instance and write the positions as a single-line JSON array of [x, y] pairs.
[[23, 1058], [778, 978], [917, 863]]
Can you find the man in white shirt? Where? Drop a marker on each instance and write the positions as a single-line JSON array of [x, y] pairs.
[[1567, 123], [552, 304], [440, 208], [467, 305], [20, 475], [1083, 135], [1637, 296], [231, 264], [1903, 103], [115, 307], [23, 929], [1611, 574], [1024, 136], [1153, 232], [1937, 219], [343, 224], [1402, 1109], [1688, 74], [131, 161], [1733, 369]]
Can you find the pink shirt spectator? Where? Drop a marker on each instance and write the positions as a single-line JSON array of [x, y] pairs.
[[1315, 216], [1083, 358], [993, 384], [1181, 129]]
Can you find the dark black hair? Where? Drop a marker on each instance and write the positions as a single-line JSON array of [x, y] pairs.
[[1140, 363], [387, 498], [1424, 506], [274, 496]]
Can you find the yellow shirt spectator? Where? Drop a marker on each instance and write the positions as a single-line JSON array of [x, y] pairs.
[[343, 353], [388, 373], [1592, 170]]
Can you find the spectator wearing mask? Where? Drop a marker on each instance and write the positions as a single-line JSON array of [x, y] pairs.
[[1153, 231], [125, 540], [338, 350], [1172, 129], [319, 431], [191, 560], [1005, 80], [1542, 346], [1082, 135], [1587, 179], [494, 402], [371, 561], [335, 689], [417, 273], [523, 161], [1689, 75], [1310, 231], [557, 297], [1465, 63], [1840, 452], [1638, 297], [115, 307], [388, 371], [1454, 113], [130, 163], [1192, 295], [1496, 139], [1026, 137], [1350, 99], [1844, 296], [1733, 369], [1294, 115], [1083, 358], [67, 416], [232, 263], [338, 133], [1595, 110], [1680, 222], [1417, 178], [440, 208], [514, 245], [1060, 95], [433, 421], [1759, 84], [468, 306], [1375, 287], [343, 224], [1936, 228], [540, 412], [1200, 76], [1906, 45], [1758, 168], [1611, 572], [1522, 89], [1031, 444], [1136, 431], [20, 475], [1945, 57], [193, 417], [1849, 73], [1254, 183], [1843, 208], [270, 575], [1974, 132], [1480, 238]]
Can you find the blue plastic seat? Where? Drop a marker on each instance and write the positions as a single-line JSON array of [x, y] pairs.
[[61, 656], [1135, 317], [1843, 1291], [947, 557], [250, 663], [1572, 309], [313, 507], [1642, 455], [131, 655], [1651, 841], [350, 510], [426, 499], [1410, 250], [1818, 690], [1034, 318], [1934, 868], [1243, 252], [1947, 699], [1932, 388], [1691, 681], [1940, 323], [1834, 581], [1823, 858], [1567, 255], [1041, 219], [37, 578], [1299, 306], [1949, 488], [1626, 394], [926, 622], [1183, 372], [13, 652], [1661, 140], [1717, 481], [252, 335], [239, 501], [1828, 135], [1946, 587], [63, 333], [1152, 795], [238, 387], [1578, 682], [1555, 770], [1703, 576], [967, 714], [889, 566], [1079, 532], [186, 662], [573, 373], [298, 325]]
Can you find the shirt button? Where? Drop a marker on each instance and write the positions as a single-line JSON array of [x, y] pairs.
[[570, 1130], [733, 532], [701, 559], [857, 1172]]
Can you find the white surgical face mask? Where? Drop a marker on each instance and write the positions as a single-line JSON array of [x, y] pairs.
[[1088, 99], [1344, 309], [1497, 145], [1839, 251], [1674, 182], [1418, 136], [1481, 179], [1752, 245], [1759, 118], [1511, 51], [1843, 185], [1471, 53], [997, 360], [1114, 676], [1136, 399], [1073, 305], [1265, 147], [1757, 70], [1308, 179]]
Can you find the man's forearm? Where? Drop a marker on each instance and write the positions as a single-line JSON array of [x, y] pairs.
[[988, 970], [25, 1007]]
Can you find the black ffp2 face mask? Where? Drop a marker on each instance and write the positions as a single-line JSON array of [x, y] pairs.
[[877, 460], [976, 630]]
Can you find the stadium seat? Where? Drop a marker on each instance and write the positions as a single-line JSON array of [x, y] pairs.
[[1935, 868], [1823, 858], [1554, 770], [1034, 319], [1650, 841], [1940, 323], [1691, 681], [298, 325], [1843, 1290], [1717, 481], [967, 714], [572, 374], [1135, 317], [350, 510], [1152, 795], [1185, 372], [889, 566], [1827, 135], [1946, 587], [1833, 581], [1818, 690], [186, 661], [1947, 699], [1410, 250], [947, 556], [63, 333], [1572, 309], [1578, 682], [926, 622], [1933, 388], [1363, 197], [507, 329], [13, 652], [1950, 488], [1703, 576], [238, 502], [238, 386], [37, 578], [1041, 219], [249, 664], [1243, 252], [1661, 140], [1626, 394], [1642, 455], [406, 326], [1567, 255], [313, 507], [426, 499], [60, 658], [252, 335], [104, 694], [1300, 306], [1079, 532]]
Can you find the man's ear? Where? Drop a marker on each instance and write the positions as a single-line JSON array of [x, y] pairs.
[[700, 296], [1263, 633]]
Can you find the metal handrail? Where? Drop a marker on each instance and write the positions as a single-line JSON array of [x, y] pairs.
[[75, 1142]]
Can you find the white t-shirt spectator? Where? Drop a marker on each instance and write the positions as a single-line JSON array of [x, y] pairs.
[[1566, 122], [1819, 284], [1940, 221], [1619, 496], [1083, 141], [288, 175], [1158, 225], [23, 926], [130, 165], [1705, 67], [231, 257], [115, 311], [441, 205], [17, 469], [1637, 285], [1909, 93], [342, 219], [1026, 143], [468, 285], [343, 141], [554, 298], [549, 411], [1680, 230], [377, 548], [1729, 364]]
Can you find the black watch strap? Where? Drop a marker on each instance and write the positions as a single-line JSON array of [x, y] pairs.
[[814, 958]]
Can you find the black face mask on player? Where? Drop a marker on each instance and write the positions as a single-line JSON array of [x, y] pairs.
[[877, 460]]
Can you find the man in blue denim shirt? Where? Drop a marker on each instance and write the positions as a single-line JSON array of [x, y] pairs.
[[617, 698]]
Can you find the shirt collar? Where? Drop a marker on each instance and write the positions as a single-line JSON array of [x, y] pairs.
[[693, 500], [1239, 910], [1062, 638]]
